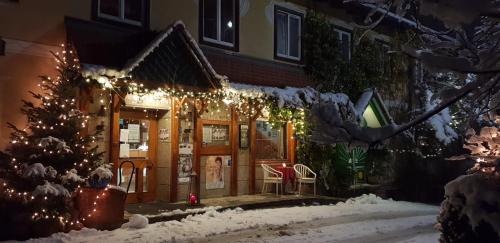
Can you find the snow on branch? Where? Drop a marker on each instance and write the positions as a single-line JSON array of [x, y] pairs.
[[49, 188], [71, 177], [61, 146], [440, 121]]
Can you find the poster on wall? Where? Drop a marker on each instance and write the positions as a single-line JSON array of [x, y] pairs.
[[164, 135], [134, 133], [219, 133], [185, 167], [215, 171], [243, 136]]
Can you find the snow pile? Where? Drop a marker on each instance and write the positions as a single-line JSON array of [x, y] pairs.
[[477, 197], [441, 121], [71, 177], [118, 188], [213, 222], [34, 170], [136, 221], [51, 189], [102, 173], [366, 199], [187, 211], [61, 146]]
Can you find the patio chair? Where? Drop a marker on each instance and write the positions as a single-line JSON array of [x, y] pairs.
[[271, 176], [305, 175]]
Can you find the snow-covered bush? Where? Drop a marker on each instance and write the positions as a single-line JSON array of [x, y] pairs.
[[101, 176], [471, 209]]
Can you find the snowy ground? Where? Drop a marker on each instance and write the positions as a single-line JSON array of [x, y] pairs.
[[363, 219]]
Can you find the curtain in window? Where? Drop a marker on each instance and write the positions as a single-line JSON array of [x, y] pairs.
[[133, 10], [281, 33], [294, 36], [210, 19], [110, 7], [227, 23], [345, 46]]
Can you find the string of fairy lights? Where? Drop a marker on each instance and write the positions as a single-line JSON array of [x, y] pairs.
[[245, 104], [48, 100]]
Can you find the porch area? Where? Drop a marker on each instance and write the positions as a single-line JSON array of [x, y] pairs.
[[165, 211]]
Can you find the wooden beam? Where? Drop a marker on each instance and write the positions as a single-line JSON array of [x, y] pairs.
[[251, 162], [114, 131], [197, 136], [175, 150], [291, 149], [234, 152]]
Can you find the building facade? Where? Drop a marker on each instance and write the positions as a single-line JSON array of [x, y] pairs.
[[196, 46]]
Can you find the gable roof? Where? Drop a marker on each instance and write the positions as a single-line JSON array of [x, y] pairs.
[[372, 98], [170, 59]]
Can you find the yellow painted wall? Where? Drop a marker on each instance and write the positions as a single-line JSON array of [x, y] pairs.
[[40, 21]]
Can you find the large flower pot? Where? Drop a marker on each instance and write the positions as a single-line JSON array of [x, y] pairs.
[[109, 207]]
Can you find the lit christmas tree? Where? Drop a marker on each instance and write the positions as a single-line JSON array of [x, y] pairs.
[[53, 155]]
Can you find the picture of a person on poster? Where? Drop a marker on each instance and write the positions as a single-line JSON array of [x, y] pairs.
[[218, 169], [215, 172]]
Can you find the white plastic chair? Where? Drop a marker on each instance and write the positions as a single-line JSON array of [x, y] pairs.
[[271, 176], [305, 175]]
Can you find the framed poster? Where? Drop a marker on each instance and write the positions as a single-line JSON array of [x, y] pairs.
[[215, 171], [164, 135], [185, 167], [243, 136]]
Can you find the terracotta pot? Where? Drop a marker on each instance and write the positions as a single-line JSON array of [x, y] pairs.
[[109, 207]]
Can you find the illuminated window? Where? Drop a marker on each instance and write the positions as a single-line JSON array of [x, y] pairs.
[[219, 22], [270, 141]]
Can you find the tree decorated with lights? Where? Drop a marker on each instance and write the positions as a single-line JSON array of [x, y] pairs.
[[53, 155]]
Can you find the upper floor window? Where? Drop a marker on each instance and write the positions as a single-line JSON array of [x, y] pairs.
[[219, 23], [344, 40], [287, 34], [384, 59], [126, 11]]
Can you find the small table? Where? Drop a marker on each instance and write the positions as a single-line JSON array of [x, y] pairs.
[[288, 176]]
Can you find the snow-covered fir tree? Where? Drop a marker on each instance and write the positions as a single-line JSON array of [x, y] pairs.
[[53, 155]]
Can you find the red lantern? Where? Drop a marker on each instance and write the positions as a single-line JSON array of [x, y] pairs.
[[193, 199]]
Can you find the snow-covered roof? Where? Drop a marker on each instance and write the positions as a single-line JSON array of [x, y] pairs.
[[172, 58], [304, 97], [195, 51], [372, 95]]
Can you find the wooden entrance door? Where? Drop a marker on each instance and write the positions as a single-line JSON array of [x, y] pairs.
[[138, 144]]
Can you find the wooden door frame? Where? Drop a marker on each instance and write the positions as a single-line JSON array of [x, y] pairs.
[[116, 113]]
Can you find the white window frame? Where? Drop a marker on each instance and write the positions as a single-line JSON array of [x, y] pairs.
[[349, 34], [289, 16], [219, 31], [121, 12]]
